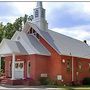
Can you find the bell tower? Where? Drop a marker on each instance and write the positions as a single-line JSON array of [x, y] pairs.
[[39, 17]]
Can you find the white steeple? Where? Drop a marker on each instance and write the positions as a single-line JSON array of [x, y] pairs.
[[39, 4], [39, 16]]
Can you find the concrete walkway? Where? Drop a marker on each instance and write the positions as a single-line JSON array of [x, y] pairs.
[[22, 87]]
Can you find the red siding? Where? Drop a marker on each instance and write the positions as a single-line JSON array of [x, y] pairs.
[[38, 65], [52, 65], [56, 66]]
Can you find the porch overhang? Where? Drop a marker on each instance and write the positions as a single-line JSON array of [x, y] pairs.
[[9, 47]]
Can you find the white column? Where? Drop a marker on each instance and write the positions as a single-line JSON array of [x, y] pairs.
[[13, 66], [0, 62], [72, 69]]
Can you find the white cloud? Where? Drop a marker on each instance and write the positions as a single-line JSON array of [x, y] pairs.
[[25, 7], [86, 7], [7, 19]]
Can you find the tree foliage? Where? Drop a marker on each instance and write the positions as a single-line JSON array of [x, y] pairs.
[[1, 31], [7, 31]]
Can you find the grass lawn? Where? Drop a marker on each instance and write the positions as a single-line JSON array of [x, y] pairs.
[[84, 87]]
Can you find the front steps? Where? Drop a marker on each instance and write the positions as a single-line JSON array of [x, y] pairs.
[[17, 82], [4, 81]]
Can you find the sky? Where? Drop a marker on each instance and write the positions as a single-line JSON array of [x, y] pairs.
[[69, 18]]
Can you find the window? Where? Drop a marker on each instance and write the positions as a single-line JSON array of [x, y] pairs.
[[68, 65], [29, 64], [30, 31], [79, 66], [89, 66], [21, 65], [37, 35], [16, 65], [33, 32], [36, 13]]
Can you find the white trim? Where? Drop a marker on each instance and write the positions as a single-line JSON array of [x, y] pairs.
[[72, 69], [28, 74], [0, 62], [13, 67], [19, 70], [32, 25]]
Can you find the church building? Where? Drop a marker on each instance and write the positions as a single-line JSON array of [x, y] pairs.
[[38, 52]]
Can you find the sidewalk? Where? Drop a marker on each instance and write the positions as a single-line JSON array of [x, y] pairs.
[[23, 87]]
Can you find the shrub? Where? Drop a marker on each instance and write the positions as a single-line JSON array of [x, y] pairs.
[[46, 81], [86, 81], [1, 72]]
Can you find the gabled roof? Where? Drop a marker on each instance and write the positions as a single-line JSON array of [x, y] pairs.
[[61, 43], [9, 47], [31, 44], [67, 45]]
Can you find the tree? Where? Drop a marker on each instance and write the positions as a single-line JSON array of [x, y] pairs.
[[25, 18], [18, 24], [30, 18], [1, 31], [9, 30]]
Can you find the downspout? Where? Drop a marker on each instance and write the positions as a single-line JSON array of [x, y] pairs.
[[72, 69]]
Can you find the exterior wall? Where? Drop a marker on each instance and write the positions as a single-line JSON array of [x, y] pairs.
[[7, 66], [54, 64], [66, 74], [79, 74], [84, 71], [38, 65], [57, 67], [8, 61], [41, 65]]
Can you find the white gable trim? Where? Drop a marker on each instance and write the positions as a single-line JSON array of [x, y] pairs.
[[4, 48], [29, 24], [16, 34]]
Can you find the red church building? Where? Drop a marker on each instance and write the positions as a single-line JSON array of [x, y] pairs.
[[38, 52]]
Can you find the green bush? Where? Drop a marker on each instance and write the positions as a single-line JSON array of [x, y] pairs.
[[46, 81], [86, 81], [43, 81], [1, 72]]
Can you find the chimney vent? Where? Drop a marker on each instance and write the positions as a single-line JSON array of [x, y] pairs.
[[85, 41]]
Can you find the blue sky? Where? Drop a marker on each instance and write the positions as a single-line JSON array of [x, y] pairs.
[[69, 18]]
